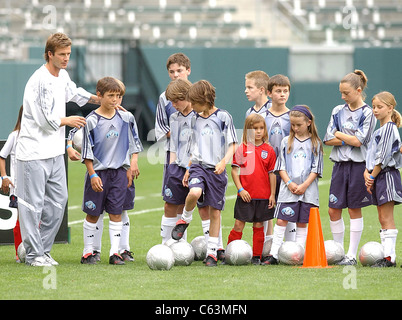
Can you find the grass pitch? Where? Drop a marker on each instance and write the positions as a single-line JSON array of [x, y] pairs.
[[71, 280]]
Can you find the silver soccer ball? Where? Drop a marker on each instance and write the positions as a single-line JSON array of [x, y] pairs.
[[267, 247], [334, 251], [160, 257], [77, 140], [200, 248], [291, 253], [21, 253], [370, 253], [238, 252], [183, 253]]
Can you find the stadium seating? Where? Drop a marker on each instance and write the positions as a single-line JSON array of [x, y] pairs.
[[183, 23], [358, 22]]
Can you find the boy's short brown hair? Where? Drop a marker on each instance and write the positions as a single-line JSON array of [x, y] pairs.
[[122, 86], [177, 89], [55, 41], [202, 92], [260, 78], [180, 58], [278, 80], [108, 84]]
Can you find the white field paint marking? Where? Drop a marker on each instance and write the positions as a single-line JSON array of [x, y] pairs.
[[231, 197]]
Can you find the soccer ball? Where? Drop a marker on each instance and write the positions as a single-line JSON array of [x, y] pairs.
[[370, 253], [238, 252], [21, 253], [291, 253], [160, 257], [183, 253], [334, 251], [200, 247], [267, 247], [77, 140]]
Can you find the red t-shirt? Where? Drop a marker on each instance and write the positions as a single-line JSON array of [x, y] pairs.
[[255, 163]]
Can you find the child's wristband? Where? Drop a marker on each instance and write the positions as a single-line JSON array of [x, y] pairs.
[[188, 168], [94, 176], [289, 182], [343, 142], [240, 190], [371, 177], [69, 146], [4, 177]]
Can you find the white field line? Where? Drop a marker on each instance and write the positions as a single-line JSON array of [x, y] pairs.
[[134, 213]]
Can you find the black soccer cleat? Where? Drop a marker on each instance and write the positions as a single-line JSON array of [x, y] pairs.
[[179, 229], [211, 261], [127, 255], [269, 260], [116, 259], [384, 263], [88, 259]]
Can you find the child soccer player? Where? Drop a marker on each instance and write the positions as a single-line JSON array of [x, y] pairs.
[[178, 66], [300, 164], [278, 126], [212, 147], [256, 84], [382, 176], [256, 183], [349, 131], [175, 191], [8, 182], [109, 151]]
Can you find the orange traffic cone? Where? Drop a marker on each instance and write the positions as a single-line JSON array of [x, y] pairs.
[[314, 255]]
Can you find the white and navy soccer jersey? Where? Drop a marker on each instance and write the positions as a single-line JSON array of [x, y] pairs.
[[110, 142], [180, 136], [298, 164], [278, 127], [211, 138], [359, 123], [262, 112], [164, 110], [384, 148]]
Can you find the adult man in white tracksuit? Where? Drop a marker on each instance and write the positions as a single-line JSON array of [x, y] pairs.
[[41, 183]]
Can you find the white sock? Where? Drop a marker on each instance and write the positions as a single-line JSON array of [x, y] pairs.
[[205, 228], [338, 230], [389, 243], [167, 225], [187, 216], [115, 235], [98, 234], [356, 230], [301, 236], [290, 234], [265, 224], [125, 232], [279, 233], [89, 234], [212, 246], [220, 242]]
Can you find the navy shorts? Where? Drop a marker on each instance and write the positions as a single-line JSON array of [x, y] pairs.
[[253, 211], [113, 196], [294, 211], [129, 200], [387, 187], [173, 191], [213, 186], [348, 189]]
